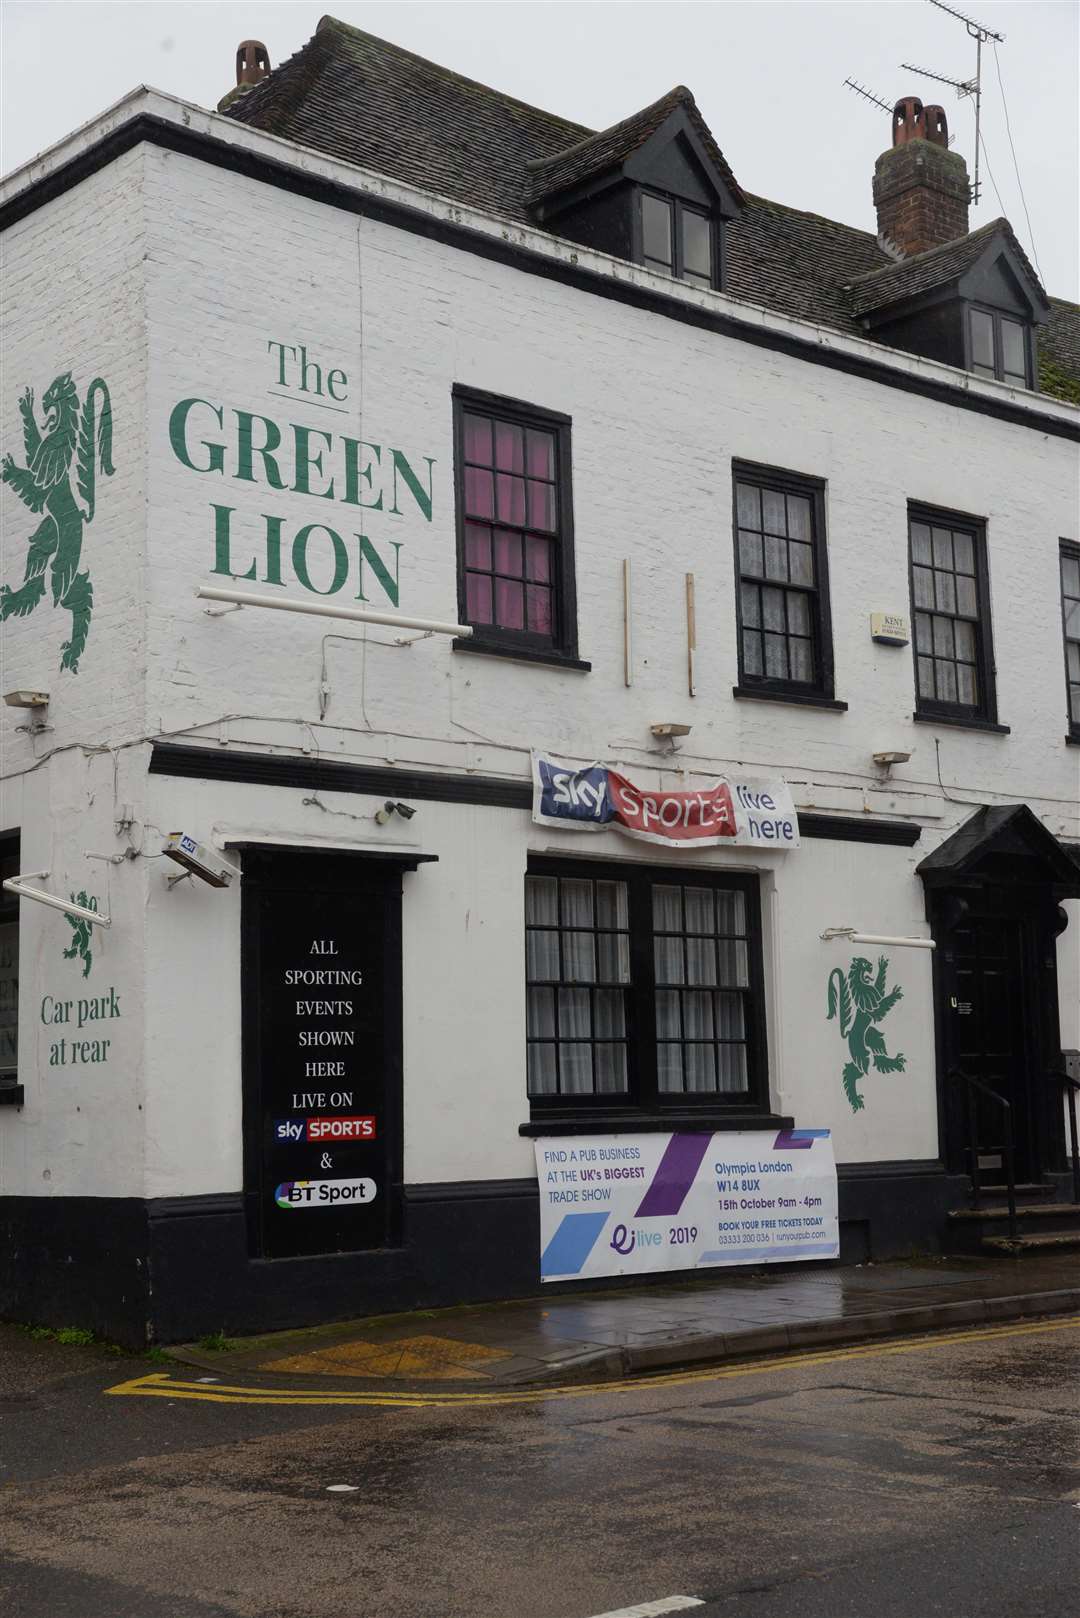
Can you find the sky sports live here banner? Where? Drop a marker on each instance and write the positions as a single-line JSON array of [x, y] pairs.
[[635, 1204], [731, 812]]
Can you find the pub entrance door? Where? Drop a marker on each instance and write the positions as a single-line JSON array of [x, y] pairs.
[[993, 900], [321, 984], [986, 1033]]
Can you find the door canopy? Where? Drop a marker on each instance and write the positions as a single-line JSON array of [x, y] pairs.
[[1005, 845]]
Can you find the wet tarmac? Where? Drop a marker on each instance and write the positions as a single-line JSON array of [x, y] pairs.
[[930, 1477]]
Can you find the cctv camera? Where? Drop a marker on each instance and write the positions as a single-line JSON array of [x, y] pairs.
[[405, 810]]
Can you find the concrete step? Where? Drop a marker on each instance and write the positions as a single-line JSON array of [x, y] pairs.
[[1027, 1210], [1048, 1243], [1052, 1224], [1025, 1189]]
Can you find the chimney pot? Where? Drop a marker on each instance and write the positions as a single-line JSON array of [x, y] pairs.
[[921, 190], [912, 121], [252, 61]]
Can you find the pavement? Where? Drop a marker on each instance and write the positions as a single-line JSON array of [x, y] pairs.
[[592, 1337]]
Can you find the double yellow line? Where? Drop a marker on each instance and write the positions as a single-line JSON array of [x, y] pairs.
[[161, 1385]]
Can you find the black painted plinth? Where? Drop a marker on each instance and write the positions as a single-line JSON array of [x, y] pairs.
[[169, 1270]]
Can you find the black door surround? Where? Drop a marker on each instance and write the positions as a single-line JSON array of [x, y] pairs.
[[993, 902]]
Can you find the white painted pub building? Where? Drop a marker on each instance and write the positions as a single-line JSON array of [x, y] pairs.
[[600, 497]]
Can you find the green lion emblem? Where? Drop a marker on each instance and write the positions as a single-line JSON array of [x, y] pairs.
[[861, 1002], [44, 484], [80, 943]]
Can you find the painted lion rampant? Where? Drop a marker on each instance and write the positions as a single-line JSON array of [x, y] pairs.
[[44, 484], [861, 1001], [81, 928]]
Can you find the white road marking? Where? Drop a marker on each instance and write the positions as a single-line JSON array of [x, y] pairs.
[[342, 1488], [653, 1609]]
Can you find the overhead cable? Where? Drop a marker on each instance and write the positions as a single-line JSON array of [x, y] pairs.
[[1016, 166]]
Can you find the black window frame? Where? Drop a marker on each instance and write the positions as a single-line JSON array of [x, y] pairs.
[[644, 1102], [822, 689], [562, 646], [11, 1091], [1068, 549], [997, 316], [984, 712], [677, 208]]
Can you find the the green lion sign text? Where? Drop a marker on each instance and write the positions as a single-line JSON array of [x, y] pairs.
[[861, 1001], [44, 484], [293, 458]]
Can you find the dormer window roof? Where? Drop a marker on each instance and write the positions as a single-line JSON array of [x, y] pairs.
[[667, 145], [654, 188], [989, 260], [983, 283]]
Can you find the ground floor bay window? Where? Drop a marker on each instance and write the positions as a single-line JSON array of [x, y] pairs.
[[644, 992]]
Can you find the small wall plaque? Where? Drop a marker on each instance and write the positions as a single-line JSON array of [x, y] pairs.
[[889, 628]]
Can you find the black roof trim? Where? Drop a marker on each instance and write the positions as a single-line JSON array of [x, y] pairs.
[[433, 786]]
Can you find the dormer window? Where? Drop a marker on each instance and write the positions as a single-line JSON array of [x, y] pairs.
[[999, 347], [677, 239], [654, 189], [974, 303]]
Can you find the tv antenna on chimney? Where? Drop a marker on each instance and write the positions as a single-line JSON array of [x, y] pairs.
[[965, 87], [868, 95]]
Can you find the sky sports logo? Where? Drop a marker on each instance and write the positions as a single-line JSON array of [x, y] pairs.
[[324, 1129]]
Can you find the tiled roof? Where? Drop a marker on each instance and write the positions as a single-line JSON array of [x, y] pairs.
[[598, 153], [369, 102], [366, 101], [935, 268], [1059, 351]]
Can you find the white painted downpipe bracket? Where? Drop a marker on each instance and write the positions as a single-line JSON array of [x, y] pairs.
[[853, 937], [322, 609], [17, 884]]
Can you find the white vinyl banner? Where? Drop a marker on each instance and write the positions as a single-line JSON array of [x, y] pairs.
[[635, 1204]]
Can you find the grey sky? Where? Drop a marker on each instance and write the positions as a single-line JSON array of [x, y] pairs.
[[767, 74]]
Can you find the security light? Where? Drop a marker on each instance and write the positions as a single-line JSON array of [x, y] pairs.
[[671, 730], [887, 760], [26, 699], [201, 861]]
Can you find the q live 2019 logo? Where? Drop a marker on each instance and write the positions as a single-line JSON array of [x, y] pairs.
[[323, 1193]]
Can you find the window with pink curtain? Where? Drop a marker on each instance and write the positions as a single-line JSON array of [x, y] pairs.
[[509, 498]]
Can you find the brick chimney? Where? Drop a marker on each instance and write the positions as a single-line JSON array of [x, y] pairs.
[[920, 188], [252, 64]]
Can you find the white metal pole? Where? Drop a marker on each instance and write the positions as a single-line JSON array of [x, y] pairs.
[[323, 609], [15, 884], [853, 937]]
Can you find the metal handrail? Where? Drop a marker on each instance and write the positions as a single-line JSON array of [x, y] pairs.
[[974, 1084], [1072, 1088]]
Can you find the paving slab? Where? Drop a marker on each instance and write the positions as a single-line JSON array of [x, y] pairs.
[[593, 1337]]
